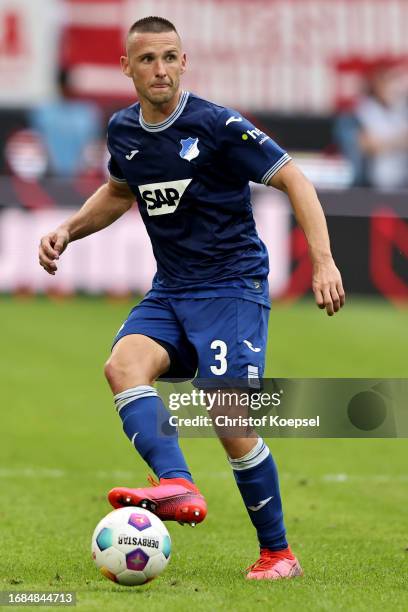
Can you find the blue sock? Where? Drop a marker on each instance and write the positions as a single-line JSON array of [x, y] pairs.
[[257, 480], [146, 424]]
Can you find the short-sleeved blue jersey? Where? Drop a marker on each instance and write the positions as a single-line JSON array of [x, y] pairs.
[[190, 175]]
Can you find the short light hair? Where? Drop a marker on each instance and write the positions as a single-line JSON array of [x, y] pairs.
[[152, 24]]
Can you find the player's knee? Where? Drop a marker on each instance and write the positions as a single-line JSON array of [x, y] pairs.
[[124, 373], [111, 372], [121, 373], [135, 361]]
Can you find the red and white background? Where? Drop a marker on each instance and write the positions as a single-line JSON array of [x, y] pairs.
[[28, 50], [255, 55]]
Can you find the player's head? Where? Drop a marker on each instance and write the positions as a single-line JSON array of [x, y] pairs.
[[154, 59]]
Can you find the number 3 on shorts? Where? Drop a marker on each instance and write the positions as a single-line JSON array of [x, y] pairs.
[[219, 345]]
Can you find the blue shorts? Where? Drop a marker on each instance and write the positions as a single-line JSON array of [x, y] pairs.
[[218, 341]]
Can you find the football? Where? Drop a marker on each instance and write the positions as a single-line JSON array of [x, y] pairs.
[[131, 546]]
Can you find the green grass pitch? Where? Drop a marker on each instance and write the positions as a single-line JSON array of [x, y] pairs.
[[62, 448]]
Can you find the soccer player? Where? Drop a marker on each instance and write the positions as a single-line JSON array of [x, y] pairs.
[[188, 162]]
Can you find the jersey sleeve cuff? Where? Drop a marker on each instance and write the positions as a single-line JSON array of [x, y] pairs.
[[116, 179], [274, 169]]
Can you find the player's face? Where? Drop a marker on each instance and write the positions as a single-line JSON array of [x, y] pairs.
[[155, 63]]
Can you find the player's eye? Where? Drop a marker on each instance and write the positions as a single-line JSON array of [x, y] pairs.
[[171, 57], [147, 59]]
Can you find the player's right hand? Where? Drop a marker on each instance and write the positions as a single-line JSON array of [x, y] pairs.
[[51, 247]]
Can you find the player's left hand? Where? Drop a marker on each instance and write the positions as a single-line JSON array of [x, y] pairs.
[[328, 287]]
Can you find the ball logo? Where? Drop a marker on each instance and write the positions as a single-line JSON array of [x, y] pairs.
[[138, 541], [163, 198]]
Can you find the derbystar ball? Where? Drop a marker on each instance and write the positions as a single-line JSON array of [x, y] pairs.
[[131, 546]]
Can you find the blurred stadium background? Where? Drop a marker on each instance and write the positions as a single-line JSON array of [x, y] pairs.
[[297, 69]]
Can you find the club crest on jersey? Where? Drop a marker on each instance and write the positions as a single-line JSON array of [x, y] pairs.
[[189, 148], [163, 198]]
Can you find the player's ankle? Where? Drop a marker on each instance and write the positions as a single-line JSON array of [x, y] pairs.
[[178, 480], [176, 475], [284, 552]]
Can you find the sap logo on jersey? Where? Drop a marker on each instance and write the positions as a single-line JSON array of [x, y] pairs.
[[163, 198]]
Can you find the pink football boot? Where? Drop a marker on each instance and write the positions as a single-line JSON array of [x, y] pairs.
[[274, 565], [171, 499]]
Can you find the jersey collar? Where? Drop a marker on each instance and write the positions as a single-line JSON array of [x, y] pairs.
[[163, 125]]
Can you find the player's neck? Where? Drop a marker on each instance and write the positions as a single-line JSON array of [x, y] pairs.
[[156, 113]]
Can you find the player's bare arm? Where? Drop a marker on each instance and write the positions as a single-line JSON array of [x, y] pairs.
[[327, 284], [104, 207]]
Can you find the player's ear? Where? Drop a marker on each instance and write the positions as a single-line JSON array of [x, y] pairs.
[[124, 62], [183, 63]]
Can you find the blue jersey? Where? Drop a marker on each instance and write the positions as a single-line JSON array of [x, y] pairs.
[[190, 175]]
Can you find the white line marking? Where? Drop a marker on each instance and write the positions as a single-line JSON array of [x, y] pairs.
[[30, 472], [34, 472]]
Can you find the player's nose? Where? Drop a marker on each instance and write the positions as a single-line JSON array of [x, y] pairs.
[[160, 69]]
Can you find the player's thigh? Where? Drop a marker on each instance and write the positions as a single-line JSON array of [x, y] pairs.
[[149, 344], [135, 360], [230, 336]]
